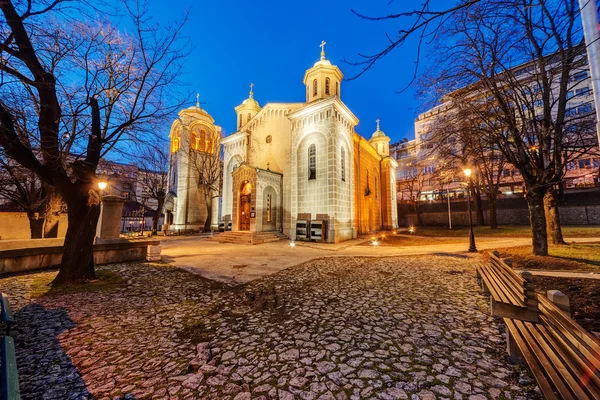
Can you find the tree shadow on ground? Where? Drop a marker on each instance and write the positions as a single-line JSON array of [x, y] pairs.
[[45, 369]]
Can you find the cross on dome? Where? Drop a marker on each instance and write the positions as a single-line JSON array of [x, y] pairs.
[[251, 92], [197, 99], [322, 45], [377, 120]]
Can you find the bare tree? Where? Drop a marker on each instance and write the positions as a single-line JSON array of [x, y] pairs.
[[96, 89], [456, 139], [207, 165], [410, 187], [520, 57], [153, 178]]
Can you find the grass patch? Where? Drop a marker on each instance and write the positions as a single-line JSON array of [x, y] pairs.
[[412, 240], [196, 331], [504, 231], [576, 256], [106, 281], [584, 296]]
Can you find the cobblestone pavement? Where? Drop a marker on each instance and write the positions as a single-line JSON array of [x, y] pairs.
[[338, 328]]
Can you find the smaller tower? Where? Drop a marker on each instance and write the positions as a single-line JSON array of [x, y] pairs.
[[323, 79], [247, 110], [380, 142]]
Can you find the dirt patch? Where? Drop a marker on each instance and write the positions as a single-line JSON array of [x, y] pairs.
[[572, 257], [409, 240], [584, 296]]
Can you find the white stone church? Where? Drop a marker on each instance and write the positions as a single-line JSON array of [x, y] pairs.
[[289, 162]]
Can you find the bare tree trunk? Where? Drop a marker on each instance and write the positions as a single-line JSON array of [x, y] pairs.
[[156, 217], [35, 224], [478, 206], [418, 213], [53, 207], [553, 228], [493, 212], [537, 218], [208, 221], [78, 257]]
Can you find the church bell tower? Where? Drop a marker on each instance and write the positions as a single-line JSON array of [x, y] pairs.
[[323, 79]]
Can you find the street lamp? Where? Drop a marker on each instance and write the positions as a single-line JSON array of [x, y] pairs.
[[472, 248], [102, 183]]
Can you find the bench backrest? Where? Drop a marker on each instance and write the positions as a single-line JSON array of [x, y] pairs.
[[576, 345], [9, 375], [6, 314], [520, 285]]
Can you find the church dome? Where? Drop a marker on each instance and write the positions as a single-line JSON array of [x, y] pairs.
[[251, 102], [378, 132], [322, 61], [196, 112]]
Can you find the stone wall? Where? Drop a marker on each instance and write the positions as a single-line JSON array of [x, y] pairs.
[[367, 206], [35, 258], [569, 215], [15, 225]]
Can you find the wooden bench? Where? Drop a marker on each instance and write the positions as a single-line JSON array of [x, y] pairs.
[[6, 315], [9, 375], [563, 357], [511, 293]]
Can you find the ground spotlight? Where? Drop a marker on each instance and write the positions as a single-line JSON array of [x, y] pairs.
[[292, 244]]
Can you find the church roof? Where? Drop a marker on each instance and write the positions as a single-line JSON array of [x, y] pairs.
[[378, 132]]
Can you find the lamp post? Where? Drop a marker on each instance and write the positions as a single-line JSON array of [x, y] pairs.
[[472, 248]]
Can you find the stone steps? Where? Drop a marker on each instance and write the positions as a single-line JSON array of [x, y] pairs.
[[241, 237]]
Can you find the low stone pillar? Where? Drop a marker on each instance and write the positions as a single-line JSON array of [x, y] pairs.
[[560, 299], [154, 253], [111, 212]]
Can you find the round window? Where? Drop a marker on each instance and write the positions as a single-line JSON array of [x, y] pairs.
[[269, 139]]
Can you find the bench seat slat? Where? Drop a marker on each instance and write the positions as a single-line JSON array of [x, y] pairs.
[[569, 325], [495, 280], [573, 373], [516, 288], [511, 271], [553, 368], [493, 286], [586, 375], [539, 376]]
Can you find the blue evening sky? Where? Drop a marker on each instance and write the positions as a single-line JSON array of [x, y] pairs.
[[271, 43]]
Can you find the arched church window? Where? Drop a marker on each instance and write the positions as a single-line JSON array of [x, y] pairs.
[[376, 187], [337, 89], [209, 146], [326, 85], [175, 141], [201, 141], [343, 159], [312, 161], [315, 87]]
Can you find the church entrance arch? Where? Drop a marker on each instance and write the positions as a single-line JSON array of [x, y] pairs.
[[245, 206]]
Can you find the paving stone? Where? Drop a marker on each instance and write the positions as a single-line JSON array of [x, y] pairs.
[[332, 328]]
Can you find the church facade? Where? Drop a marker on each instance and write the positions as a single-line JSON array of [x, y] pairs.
[[290, 162]]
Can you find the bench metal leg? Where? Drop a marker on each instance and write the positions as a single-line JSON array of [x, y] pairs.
[[512, 349]]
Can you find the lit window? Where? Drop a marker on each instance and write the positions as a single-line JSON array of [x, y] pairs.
[[315, 87], [312, 162], [326, 85], [337, 89]]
